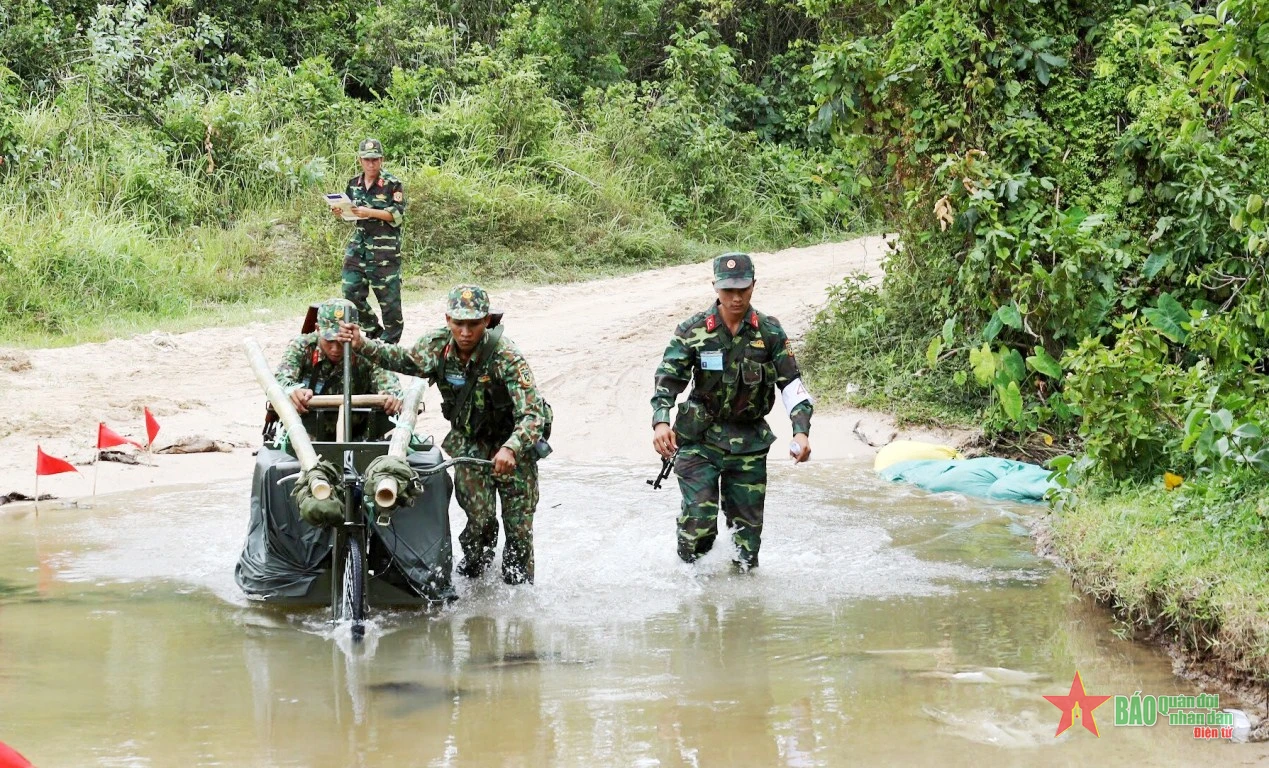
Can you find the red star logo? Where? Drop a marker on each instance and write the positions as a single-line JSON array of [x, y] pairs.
[[1075, 704]]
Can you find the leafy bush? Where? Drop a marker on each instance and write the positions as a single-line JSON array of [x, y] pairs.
[[1083, 219]]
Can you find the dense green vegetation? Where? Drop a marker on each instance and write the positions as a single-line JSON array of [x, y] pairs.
[[164, 157], [1079, 189]]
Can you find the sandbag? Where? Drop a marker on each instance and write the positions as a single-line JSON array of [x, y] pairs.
[[986, 477], [911, 450]]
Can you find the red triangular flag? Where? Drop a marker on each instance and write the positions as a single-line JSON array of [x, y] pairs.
[[9, 758], [50, 465], [151, 426], [108, 438]]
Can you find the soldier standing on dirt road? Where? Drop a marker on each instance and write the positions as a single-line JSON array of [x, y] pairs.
[[736, 356], [495, 412], [372, 259]]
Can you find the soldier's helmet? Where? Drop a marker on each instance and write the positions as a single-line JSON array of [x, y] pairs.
[[733, 270], [467, 302], [369, 149], [331, 313]]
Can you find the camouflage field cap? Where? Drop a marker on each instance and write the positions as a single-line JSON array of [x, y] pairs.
[[369, 149], [331, 313], [733, 270], [467, 302]]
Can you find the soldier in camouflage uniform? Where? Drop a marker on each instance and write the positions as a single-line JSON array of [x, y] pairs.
[[313, 364], [372, 259], [504, 419], [736, 356]]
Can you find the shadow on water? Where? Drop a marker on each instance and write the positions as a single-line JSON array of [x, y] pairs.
[[885, 626]]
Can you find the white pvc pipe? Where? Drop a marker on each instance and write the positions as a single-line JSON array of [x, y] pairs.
[[300, 442], [386, 490]]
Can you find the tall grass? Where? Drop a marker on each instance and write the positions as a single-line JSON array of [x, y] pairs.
[[104, 216]]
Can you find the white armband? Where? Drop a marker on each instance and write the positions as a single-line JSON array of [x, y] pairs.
[[794, 393]]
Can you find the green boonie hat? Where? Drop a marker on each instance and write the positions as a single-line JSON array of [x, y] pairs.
[[467, 302], [733, 270], [369, 149], [331, 313]]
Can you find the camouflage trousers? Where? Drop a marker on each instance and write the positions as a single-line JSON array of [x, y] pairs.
[[380, 270], [477, 489], [703, 471]]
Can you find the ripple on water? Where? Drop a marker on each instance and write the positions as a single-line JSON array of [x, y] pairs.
[[604, 539]]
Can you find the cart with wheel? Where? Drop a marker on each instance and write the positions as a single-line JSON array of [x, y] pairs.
[[391, 547]]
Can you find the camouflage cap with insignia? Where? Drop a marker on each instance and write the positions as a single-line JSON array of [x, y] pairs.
[[369, 149], [331, 313], [467, 302], [733, 270]]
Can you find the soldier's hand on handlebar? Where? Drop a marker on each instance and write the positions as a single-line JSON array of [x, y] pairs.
[[300, 398], [351, 333], [663, 440], [392, 406], [504, 461]]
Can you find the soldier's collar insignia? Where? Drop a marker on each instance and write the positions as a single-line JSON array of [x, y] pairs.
[[711, 323], [753, 318]]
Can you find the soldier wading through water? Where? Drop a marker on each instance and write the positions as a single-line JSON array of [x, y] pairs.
[[495, 412], [736, 357]]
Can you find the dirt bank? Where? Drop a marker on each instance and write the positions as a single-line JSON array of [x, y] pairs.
[[593, 347]]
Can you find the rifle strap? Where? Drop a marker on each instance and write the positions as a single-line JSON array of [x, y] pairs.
[[481, 356]]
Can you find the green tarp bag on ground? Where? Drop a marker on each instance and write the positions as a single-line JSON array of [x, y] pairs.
[[986, 477]]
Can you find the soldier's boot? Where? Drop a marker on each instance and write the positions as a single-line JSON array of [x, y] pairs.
[[478, 541], [517, 556], [693, 545], [473, 568]]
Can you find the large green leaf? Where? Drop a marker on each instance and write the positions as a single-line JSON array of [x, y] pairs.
[[993, 328], [1222, 420], [1155, 264], [983, 363], [1010, 316], [1168, 317], [1012, 365], [1043, 362], [1010, 399], [933, 351]]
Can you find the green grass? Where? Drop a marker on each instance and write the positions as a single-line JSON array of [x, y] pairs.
[[109, 227], [864, 352], [1190, 565]]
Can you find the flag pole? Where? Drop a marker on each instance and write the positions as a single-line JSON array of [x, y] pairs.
[[96, 459], [37, 494]]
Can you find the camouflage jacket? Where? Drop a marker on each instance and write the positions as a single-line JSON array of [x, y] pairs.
[[739, 397], [387, 194], [304, 366], [505, 407]]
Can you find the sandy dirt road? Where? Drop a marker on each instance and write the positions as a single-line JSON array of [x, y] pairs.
[[593, 347]]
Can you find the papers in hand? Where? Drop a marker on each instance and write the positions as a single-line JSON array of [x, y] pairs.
[[341, 203]]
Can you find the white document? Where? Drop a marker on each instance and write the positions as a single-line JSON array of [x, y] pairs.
[[795, 392], [340, 202]]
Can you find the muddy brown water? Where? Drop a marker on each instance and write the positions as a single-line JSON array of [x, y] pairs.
[[885, 626]]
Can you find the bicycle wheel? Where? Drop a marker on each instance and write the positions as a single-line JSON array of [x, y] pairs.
[[354, 602]]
